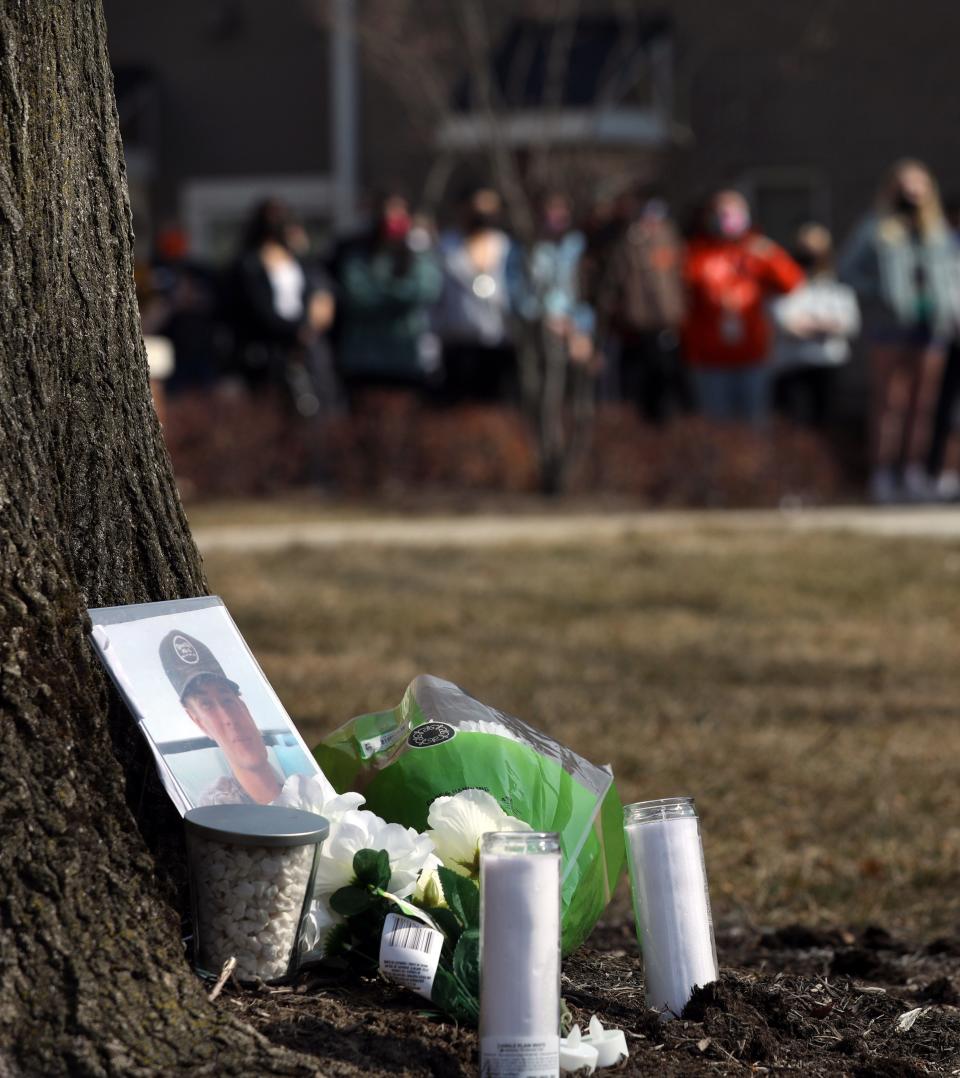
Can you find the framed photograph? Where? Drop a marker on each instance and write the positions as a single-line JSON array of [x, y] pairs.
[[216, 728]]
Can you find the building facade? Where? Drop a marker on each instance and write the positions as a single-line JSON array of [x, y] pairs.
[[802, 103]]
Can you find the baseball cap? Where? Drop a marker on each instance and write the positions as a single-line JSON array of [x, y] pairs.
[[185, 659]]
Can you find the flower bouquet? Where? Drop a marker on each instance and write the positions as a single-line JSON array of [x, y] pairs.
[[413, 764], [389, 898]]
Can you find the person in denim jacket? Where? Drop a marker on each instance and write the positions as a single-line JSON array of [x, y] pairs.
[[902, 261], [550, 288]]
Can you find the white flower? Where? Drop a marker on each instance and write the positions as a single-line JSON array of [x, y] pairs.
[[353, 829], [429, 890], [309, 793], [458, 822]]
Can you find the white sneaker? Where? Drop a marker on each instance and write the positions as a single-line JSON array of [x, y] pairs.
[[918, 485], [884, 489]]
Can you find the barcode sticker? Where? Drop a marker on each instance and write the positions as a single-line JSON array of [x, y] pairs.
[[370, 746], [410, 953], [519, 1057]]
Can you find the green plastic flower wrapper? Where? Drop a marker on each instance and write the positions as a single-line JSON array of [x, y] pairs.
[[440, 741]]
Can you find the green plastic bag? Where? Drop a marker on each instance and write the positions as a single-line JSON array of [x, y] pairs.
[[439, 741]]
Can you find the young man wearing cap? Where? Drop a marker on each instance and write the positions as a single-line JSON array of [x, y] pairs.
[[214, 703]]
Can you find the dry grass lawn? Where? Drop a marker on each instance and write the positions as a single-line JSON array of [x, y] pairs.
[[805, 689]]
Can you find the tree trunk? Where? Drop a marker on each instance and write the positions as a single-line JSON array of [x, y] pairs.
[[93, 978]]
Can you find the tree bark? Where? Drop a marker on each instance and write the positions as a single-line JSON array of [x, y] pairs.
[[93, 978]]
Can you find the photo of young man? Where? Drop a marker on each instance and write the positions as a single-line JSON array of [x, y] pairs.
[[214, 703]]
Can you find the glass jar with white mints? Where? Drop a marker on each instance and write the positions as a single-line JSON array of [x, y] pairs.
[[251, 883]]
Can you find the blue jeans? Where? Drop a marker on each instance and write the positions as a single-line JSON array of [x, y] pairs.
[[734, 395]]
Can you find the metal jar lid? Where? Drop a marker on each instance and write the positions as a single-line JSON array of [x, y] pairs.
[[664, 808], [257, 825]]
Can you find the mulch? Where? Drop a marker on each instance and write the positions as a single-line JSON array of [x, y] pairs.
[[795, 1000]]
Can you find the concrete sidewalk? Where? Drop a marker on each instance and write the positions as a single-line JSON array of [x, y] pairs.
[[921, 522]]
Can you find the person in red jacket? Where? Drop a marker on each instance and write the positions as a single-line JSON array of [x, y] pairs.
[[731, 271]]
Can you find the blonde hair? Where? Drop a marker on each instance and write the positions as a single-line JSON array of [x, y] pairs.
[[930, 213]]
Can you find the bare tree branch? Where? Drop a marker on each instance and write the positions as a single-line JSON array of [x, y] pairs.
[[623, 57], [395, 44], [476, 39], [557, 68]]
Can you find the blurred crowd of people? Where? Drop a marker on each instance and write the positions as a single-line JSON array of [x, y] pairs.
[[714, 317]]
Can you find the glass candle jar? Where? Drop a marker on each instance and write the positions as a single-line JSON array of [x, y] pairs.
[[519, 954], [251, 883], [671, 902]]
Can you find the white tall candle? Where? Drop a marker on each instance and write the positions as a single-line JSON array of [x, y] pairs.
[[671, 901], [519, 954]]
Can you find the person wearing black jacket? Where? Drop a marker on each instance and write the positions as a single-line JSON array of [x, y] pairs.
[[279, 309]]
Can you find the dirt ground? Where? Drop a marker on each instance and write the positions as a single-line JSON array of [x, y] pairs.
[[802, 687], [792, 1001]]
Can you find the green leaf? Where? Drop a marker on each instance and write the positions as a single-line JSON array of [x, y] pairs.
[[418, 911], [466, 961], [367, 926], [336, 944], [448, 924], [349, 901], [453, 997], [372, 867], [462, 895]]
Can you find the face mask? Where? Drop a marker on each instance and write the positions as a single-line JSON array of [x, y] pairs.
[[556, 223], [395, 227], [731, 222], [905, 202], [481, 220]]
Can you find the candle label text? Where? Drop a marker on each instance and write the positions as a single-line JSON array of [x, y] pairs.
[[519, 1057]]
